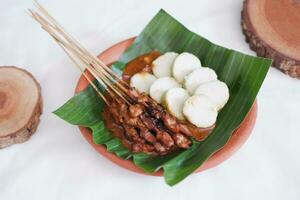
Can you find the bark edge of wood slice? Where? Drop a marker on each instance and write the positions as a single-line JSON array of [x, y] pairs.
[[272, 29], [20, 105]]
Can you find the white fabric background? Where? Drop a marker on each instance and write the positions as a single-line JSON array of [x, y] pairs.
[[57, 163]]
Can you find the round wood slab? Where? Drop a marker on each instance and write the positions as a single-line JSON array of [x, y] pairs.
[[237, 140], [272, 28], [20, 105]]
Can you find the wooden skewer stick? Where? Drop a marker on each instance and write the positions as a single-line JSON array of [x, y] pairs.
[[58, 40], [99, 69], [111, 90], [84, 74], [68, 37], [50, 28], [92, 72], [108, 72], [97, 63], [109, 87], [94, 60]]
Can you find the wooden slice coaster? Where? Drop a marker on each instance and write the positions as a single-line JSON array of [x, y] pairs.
[[20, 105], [272, 28]]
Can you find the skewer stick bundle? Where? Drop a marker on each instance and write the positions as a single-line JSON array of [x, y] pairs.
[[82, 58]]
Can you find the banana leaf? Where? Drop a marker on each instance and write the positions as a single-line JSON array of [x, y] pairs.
[[242, 73]]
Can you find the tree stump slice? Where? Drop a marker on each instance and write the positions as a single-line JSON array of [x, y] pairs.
[[20, 105], [272, 28]]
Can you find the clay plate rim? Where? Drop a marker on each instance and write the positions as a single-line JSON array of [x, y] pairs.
[[236, 141]]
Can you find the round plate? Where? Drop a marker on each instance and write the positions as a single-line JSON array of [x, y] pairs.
[[236, 141]]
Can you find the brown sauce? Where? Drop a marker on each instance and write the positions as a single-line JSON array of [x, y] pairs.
[[143, 63]]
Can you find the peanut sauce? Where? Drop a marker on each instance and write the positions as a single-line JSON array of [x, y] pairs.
[[141, 63]]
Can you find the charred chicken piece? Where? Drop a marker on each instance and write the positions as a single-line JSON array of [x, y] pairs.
[[160, 149], [148, 136], [165, 139], [136, 110], [181, 141]]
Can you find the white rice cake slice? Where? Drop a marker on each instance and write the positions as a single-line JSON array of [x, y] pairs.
[[200, 111], [217, 91], [174, 100], [142, 81], [184, 64], [162, 66], [198, 77], [161, 86]]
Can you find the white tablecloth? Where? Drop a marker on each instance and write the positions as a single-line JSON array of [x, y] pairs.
[[57, 163]]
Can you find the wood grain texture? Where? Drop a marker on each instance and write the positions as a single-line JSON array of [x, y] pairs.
[[20, 105], [272, 29]]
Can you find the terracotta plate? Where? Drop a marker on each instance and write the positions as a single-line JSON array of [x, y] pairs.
[[237, 140]]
